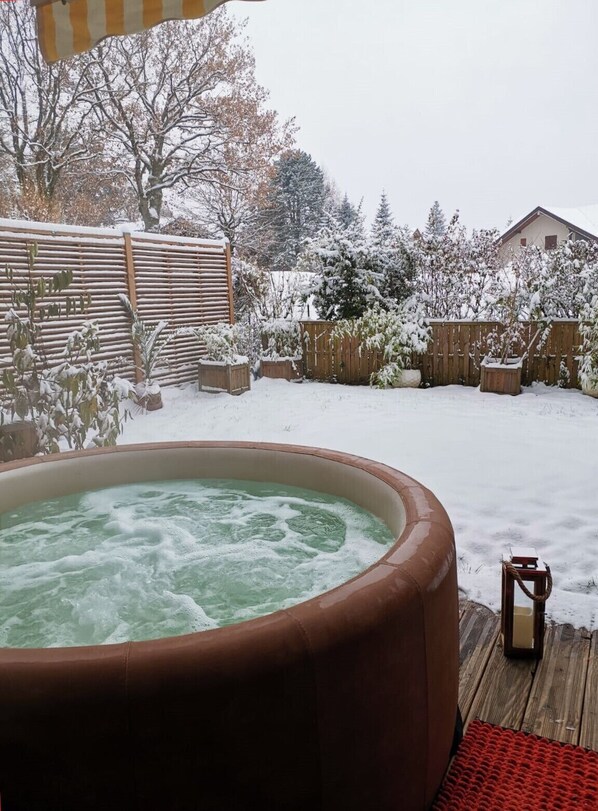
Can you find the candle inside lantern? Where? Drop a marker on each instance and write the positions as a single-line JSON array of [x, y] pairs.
[[523, 626]]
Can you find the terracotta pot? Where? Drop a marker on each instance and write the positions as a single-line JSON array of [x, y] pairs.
[[150, 399]]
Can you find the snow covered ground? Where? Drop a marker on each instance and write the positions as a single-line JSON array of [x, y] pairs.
[[509, 470]]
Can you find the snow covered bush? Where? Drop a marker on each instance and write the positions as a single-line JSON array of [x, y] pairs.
[[453, 270], [396, 334], [346, 282], [518, 295], [221, 342], [281, 338], [76, 400], [588, 330]]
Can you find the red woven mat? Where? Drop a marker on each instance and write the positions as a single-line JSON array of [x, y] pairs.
[[497, 769]]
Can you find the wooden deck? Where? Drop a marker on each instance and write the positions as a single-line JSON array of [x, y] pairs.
[[556, 697]]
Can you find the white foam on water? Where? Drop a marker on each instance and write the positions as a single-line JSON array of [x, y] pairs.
[[165, 558]]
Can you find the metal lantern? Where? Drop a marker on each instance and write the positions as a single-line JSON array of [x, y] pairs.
[[526, 585]]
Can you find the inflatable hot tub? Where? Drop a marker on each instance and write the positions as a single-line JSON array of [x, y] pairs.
[[344, 702]]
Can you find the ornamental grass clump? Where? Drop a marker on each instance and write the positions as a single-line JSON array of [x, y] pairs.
[[396, 334]]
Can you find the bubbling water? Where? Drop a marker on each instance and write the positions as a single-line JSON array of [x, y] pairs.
[[158, 559]]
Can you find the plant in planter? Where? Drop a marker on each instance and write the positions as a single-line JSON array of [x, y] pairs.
[[282, 355], [396, 334], [588, 330], [512, 300], [150, 343], [222, 368], [41, 405]]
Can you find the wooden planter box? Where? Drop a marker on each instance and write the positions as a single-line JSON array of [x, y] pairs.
[[18, 440], [235, 378], [501, 378], [282, 368]]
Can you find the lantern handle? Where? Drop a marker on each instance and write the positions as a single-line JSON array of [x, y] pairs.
[[537, 598]]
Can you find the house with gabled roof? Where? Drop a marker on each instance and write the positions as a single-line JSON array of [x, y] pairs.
[[547, 226]]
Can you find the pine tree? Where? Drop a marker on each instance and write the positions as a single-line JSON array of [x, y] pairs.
[[346, 281], [346, 213], [294, 210], [391, 255], [383, 229], [436, 225]]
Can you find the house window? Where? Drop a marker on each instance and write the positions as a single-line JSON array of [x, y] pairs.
[[550, 242], [523, 242]]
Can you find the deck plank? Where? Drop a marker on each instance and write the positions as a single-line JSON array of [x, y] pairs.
[[557, 696], [589, 721], [503, 692], [478, 631]]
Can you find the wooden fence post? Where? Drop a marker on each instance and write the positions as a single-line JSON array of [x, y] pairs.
[[229, 276], [132, 289]]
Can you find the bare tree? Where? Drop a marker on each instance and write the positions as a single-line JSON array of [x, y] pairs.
[[161, 96], [230, 200], [43, 114]]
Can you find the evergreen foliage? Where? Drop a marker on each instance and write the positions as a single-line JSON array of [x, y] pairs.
[[294, 209], [151, 341], [346, 280], [347, 214], [436, 224]]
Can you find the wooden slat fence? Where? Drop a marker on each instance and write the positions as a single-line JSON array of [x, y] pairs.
[[185, 281], [453, 355]]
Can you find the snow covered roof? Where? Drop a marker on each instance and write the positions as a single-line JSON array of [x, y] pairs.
[[583, 220]]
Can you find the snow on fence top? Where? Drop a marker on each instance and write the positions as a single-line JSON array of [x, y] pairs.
[[185, 281]]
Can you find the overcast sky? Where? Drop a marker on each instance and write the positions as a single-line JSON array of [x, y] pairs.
[[489, 106]]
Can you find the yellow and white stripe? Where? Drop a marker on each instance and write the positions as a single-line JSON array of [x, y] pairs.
[[65, 29]]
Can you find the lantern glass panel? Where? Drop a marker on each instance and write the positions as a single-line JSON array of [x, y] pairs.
[[523, 619]]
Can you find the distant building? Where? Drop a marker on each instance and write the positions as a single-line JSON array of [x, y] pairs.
[[546, 227]]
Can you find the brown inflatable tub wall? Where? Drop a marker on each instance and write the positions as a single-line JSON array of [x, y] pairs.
[[346, 702]]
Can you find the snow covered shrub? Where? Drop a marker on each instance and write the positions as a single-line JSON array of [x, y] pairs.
[[281, 338], [150, 341], [515, 296], [396, 334], [588, 330], [346, 281], [453, 270], [86, 392], [68, 400], [220, 341]]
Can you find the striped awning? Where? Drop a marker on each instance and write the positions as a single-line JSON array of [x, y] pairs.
[[68, 28]]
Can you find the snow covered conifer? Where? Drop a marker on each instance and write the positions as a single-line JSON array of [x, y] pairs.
[[346, 213], [436, 224], [391, 255], [346, 279], [294, 210]]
